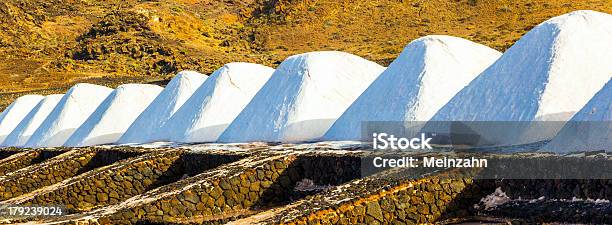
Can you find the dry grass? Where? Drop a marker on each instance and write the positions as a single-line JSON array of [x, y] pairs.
[[37, 37]]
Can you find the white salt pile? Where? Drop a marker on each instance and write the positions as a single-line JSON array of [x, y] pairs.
[[214, 105], [71, 111], [22, 133], [151, 120], [427, 74], [303, 98], [15, 112], [548, 75], [590, 129], [114, 115]]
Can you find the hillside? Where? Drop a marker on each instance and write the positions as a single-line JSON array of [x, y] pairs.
[[48, 45]]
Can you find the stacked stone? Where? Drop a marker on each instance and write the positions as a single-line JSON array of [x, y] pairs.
[[111, 184], [260, 181], [198, 162], [551, 200], [200, 220], [6, 152], [57, 169], [538, 166], [26, 158], [557, 189], [324, 170], [38, 175], [381, 199], [229, 192], [214, 193], [267, 178], [549, 211]]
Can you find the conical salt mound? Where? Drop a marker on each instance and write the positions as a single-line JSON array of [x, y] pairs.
[[214, 105], [71, 111], [32, 121], [302, 99], [550, 72], [150, 121], [590, 129], [548, 75], [429, 72], [114, 115], [15, 112]]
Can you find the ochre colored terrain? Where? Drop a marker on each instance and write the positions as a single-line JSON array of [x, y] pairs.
[[48, 45]]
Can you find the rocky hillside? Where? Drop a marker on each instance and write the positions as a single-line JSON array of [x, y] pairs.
[[47, 45]]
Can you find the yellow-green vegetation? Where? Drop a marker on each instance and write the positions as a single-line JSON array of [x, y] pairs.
[[48, 45]]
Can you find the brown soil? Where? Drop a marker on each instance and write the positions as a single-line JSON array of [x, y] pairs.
[[48, 45]]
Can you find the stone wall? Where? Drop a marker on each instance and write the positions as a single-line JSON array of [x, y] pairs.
[[381, 199], [26, 158], [211, 195], [58, 168], [553, 211], [181, 186], [110, 185], [399, 198], [549, 201], [232, 191], [319, 170], [6, 152], [556, 189], [193, 163], [122, 180]]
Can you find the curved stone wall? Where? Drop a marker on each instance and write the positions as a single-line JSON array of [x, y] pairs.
[[557, 189], [276, 186], [56, 169], [26, 158], [381, 199], [6, 152], [231, 191], [124, 179]]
